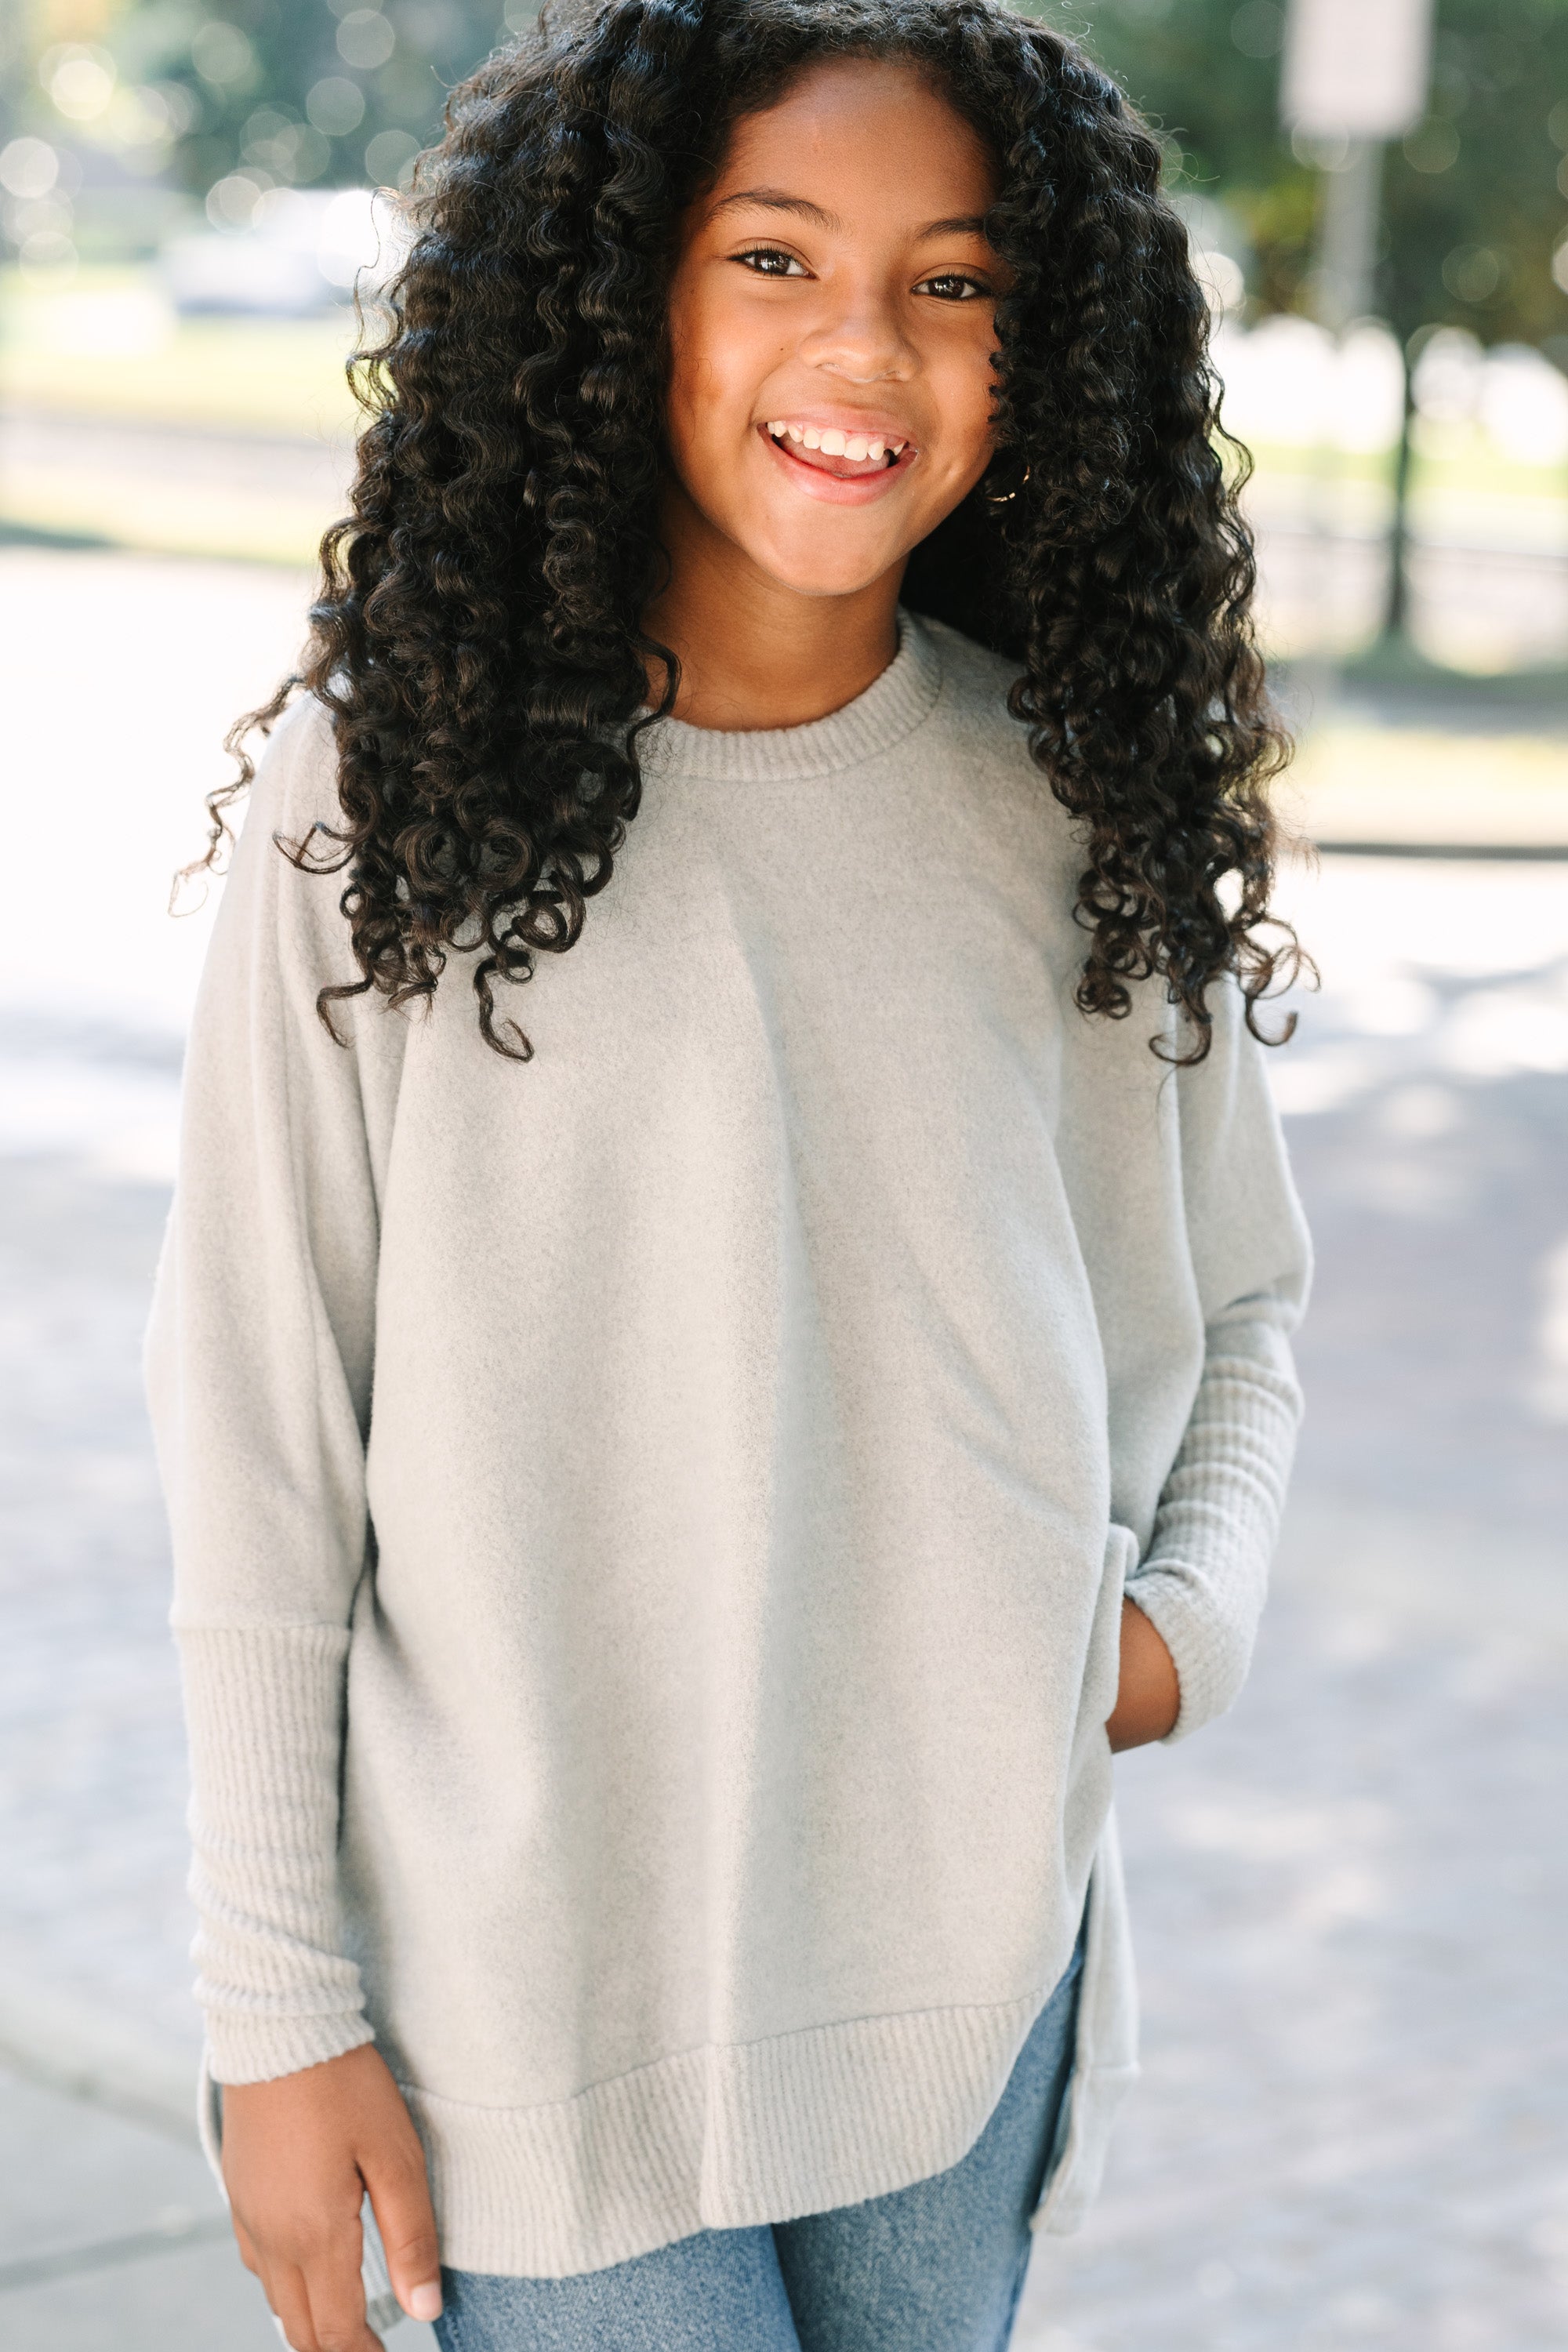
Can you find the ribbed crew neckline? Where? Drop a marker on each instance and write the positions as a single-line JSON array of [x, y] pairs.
[[890, 709]]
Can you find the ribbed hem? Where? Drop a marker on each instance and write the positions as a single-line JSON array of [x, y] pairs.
[[716, 2138], [889, 711], [264, 1717]]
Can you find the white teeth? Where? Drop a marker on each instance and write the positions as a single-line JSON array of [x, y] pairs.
[[835, 444]]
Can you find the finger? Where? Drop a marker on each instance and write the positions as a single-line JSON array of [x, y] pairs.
[[336, 2291], [290, 2305], [247, 2245], [400, 2198]]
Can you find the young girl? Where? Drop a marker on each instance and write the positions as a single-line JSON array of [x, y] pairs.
[[684, 1470]]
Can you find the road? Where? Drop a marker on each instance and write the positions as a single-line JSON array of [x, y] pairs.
[[1489, 576], [1349, 1895]]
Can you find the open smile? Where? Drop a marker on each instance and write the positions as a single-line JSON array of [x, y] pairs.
[[837, 463], [845, 454]]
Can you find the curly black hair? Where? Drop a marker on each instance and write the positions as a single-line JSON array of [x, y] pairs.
[[478, 635]]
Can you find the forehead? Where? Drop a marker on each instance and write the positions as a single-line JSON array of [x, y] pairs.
[[876, 128]]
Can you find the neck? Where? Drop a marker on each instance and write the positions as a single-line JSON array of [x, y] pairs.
[[754, 652]]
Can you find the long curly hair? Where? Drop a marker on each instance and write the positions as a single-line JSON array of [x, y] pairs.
[[479, 639]]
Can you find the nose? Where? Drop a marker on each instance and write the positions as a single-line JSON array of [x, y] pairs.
[[861, 339]]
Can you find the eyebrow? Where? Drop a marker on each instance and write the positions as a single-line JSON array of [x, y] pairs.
[[774, 200]]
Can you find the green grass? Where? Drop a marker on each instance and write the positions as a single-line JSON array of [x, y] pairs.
[[1452, 782], [1470, 462], [1396, 662], [264, 375]]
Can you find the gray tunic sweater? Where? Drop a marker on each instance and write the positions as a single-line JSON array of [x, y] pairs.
[[650, 1525]]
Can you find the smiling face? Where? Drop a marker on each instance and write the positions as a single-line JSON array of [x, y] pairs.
[[832, 326]]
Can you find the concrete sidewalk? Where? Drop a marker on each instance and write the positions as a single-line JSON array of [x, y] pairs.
[[112, 2237]]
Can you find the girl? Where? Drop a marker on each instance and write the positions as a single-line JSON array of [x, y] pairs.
[[723, 1337]]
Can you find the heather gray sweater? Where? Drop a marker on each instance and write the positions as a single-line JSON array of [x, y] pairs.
[[650, 1525]]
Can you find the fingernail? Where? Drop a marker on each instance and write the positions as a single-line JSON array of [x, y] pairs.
[[425, 2301]]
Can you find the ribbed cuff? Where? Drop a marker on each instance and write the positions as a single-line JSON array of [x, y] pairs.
[[1204, 1580], [242, 2048], [1211, 1653], [264, 1711]]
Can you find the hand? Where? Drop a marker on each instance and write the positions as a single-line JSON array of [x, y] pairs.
[[299, 2155], [1148, 1696]]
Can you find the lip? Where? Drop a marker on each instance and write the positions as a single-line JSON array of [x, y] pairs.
[[835, 489]]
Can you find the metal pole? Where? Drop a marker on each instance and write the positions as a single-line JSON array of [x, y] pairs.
[[1344, 259], [1347, 208]]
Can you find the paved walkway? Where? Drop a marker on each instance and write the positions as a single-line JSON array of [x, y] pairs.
[[111, 2238], [1350, 1895]]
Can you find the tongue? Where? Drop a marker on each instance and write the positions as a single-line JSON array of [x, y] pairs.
[[843, 466]]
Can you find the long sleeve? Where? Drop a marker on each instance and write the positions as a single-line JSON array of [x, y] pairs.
[[1204, 1577], [258, 1363]]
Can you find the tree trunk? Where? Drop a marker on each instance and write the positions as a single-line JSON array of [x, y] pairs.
[[1396, 609]]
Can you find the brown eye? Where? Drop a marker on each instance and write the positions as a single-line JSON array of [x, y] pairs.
[[768, 261], [954, 285]]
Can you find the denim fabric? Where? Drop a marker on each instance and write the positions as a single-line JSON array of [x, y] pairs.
[[937, 2267]]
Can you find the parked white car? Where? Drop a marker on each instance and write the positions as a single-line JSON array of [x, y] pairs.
[[285, 251]]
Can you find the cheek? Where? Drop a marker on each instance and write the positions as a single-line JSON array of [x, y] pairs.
[[711, 381]]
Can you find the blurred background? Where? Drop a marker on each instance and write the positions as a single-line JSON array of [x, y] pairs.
[[1351, 1895]]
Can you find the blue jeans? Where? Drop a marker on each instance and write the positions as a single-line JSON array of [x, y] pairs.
[[938, 2267]]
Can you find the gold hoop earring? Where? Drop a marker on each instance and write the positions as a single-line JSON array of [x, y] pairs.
[[1006, 498]]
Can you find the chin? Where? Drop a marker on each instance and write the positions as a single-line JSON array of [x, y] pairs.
[[824, 571]]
